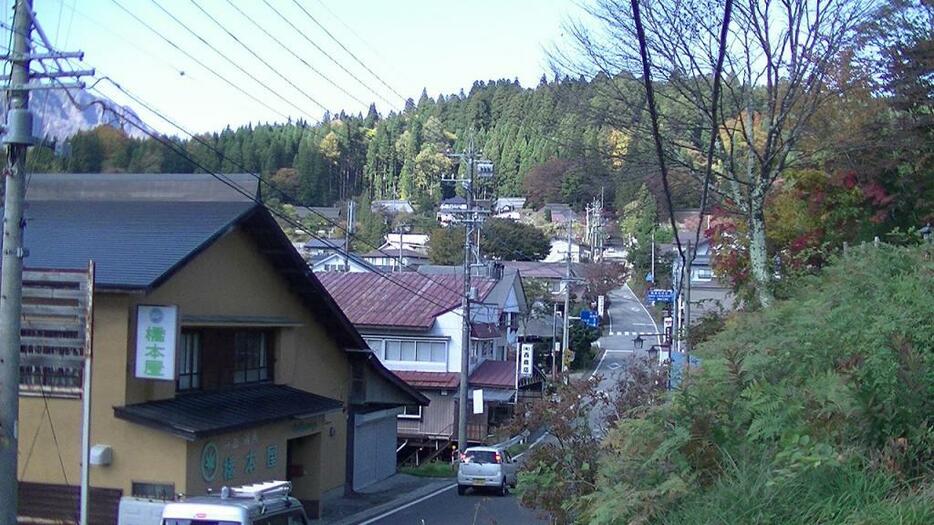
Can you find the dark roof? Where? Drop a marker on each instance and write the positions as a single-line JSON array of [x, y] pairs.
[[139, 243], [161, 187], [455, 200], [494, 374], [193, 416], [394, 253], [484, 331], [430, 380], [539, 270], [407, 300], [324, 243], [135, 245]]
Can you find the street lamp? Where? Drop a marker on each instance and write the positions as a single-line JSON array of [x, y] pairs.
[[638, 342]]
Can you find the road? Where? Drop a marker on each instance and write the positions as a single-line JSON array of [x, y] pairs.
[[627, 318], [446, 507]]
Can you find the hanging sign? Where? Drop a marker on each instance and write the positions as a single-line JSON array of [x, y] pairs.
[[478, 401], [156, 327], [525, 360], [601, 305]]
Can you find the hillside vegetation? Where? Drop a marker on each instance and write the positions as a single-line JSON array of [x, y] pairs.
[[818, 410]]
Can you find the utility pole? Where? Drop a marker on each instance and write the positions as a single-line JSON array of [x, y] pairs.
[[349, 233], [687, 308], [18, 137], [472, 217], [565, 343]]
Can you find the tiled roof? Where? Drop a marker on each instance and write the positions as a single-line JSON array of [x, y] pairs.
[[538, 270], [405, 300], [494, 374], [194, 416], [430, 380]]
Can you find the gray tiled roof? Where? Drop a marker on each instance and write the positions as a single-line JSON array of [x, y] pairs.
[[202, 414], [133, 244]]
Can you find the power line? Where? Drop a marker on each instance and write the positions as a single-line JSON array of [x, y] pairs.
[[255, 55], [325, 53], [313, 19], [200, 63], [302, 60]]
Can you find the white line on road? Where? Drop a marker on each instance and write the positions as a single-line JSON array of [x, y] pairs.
[[533, 445], [654, 324], [619, 351], [409, 504]]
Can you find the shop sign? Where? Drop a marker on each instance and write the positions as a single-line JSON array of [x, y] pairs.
[[525, 360], [243, 461], [156, 328]]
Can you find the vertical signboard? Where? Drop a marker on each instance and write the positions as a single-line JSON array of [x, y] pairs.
[[525, 360], [478, 401], [156, 327], [601, 305]]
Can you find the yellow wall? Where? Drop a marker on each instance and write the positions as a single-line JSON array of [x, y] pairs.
[[229, 278]]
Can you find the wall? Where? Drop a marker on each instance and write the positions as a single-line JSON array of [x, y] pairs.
[[437, 418]]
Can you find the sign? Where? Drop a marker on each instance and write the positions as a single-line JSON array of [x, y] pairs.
[[589, 318], [478, 401], [156, 327], [661, 295], [209, 461], [601, 306], [649, 278], [525, 360]]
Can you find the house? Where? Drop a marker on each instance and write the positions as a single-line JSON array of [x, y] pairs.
[[317, 246], [408, 241], [338, 262], [218, 358], [508, 204], [413, 322], [559, 250], [560, 213], [331, 214], [392, 208], [449, 208], [388, 260]]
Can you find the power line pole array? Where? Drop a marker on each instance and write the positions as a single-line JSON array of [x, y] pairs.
[[595, 235], [18, 137], [472, 217]]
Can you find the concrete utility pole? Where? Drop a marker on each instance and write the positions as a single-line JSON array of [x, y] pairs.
[[565, 343], [350, 228], [18, 137], [687, 308], [472, 218]]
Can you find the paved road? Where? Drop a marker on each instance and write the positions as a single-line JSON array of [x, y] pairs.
[[446, 507], [627, 318]]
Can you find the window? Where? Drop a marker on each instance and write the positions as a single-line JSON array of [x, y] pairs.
[[251, 362], [411, 412], [188, 362], [703, 274], [163, 491], [410, 350]]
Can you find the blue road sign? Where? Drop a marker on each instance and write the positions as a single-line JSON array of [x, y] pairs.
[[590, 318], [661, 295]]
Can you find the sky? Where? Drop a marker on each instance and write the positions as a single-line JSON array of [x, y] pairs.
[[442, 46]]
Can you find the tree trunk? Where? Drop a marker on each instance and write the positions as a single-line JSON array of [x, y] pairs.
[[758, 256]]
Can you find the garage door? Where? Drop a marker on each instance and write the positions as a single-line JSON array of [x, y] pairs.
[[374, 448]]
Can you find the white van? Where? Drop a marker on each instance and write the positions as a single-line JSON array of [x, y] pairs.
[[267, 503]]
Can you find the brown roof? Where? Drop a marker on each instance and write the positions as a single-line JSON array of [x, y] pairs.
[[494, 374], [484, 331], [429, 380], [407, 300], [537, 269]]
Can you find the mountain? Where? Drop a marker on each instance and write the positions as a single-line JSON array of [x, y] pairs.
[[57, 117]]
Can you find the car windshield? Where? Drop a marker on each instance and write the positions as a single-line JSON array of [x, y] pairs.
[[480, 456]]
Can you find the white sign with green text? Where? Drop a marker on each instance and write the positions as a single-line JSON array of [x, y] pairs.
[[156, 327]]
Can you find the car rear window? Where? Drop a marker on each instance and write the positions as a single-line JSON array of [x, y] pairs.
[[480, 456]]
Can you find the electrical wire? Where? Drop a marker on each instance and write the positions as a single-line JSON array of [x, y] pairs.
[[328, 55], [293, 53], [200, 63], [338, 42]]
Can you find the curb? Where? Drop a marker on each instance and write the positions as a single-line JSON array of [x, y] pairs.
[[392, 504]]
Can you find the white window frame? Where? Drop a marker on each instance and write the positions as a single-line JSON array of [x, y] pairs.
[[696, 275], [405, 415], [382, 342]]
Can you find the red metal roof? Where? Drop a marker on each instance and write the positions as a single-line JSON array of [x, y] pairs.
[[484, 331], [494, 374], [429, 380], [399, 300]]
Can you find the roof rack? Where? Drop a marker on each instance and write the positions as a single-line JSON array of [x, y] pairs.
[[259, 491]]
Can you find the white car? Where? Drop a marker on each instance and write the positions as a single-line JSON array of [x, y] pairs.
[[266, 503], [486, 467]]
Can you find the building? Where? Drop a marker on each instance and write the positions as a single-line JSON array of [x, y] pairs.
[[551, 274], [316, 247], [449, 208], [338, 262], [417, 242], [394, 259], [559, 251], [560, 213], [392, 208], [413, 323], [268, 379]]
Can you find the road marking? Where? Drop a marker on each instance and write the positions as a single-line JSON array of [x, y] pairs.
[[620, 351], [533, 445], [409, 504], [654, 324], [613, 366], [602, 357], [642, 324]]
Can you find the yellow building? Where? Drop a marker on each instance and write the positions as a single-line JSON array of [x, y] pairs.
[[270, 380]]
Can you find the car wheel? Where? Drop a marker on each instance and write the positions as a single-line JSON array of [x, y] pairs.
[[504, 489], [461, 490]]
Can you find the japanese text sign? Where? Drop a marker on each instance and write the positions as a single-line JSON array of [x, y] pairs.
[[525, 360], [156, 327]]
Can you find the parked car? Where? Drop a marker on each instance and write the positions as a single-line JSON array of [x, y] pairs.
[[259, 504], [486, 467]]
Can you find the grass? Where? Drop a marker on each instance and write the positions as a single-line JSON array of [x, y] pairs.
[[432, 469]]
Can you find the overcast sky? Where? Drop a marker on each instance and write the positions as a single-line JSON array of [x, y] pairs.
[[410, 44]]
